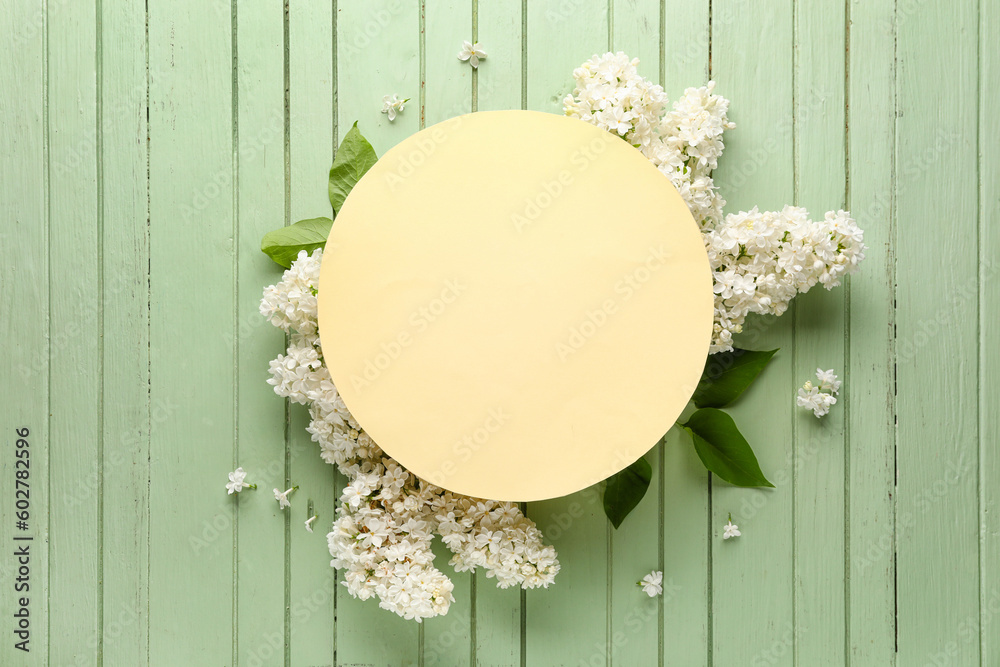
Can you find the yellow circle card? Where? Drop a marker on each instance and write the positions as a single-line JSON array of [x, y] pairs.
[[515, 305]]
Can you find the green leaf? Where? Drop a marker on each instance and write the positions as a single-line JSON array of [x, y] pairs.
[[624, 490], [354, 158], [727, 375], [723, 449], [283, 244]]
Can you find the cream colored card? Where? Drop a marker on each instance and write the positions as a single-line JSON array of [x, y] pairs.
[[515, 305]]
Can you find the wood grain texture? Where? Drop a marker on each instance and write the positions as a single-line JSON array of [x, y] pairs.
[[191, 216], [937, 455], [818, 458], [75, 242], [497, 613], [683, 496], [143, 154], [560, 38], [312, 121], [260, 415], [986, 626], [129, 416], [634, 629], [870, 381], [26, 327], [757, 170], [446, 92], [378, 53]]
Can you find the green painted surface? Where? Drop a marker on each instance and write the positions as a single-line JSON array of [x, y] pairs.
[[143, 154]]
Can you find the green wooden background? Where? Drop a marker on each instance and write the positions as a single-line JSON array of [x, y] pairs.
[[144, 151]]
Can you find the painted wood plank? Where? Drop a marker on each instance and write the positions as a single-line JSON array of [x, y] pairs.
[[559, 38], [937, 541], [497, 633], [684, 481], [684, 51], [260, 414], [818, 462], [635, 29], [129, 417], [378, 54], [312, 133], [191, 293], [684, 499], [989, 355], [446, 92], [575, 608], [26, 325], [755, 571], [75, 312], [635, 625], [869, 389], [447, 81], [497, 86], [448, 639], [499, 29], [635, 552]]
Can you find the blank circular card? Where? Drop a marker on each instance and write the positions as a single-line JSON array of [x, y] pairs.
[[515, 305]]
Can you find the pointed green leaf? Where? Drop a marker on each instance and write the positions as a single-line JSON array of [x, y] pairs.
[[723, 449], [624, 490], [354, 158], [727, 375], [283, 244]]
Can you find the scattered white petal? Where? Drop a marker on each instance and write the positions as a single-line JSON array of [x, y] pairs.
[[652, 583], [237, 481], [472, 53], [282, 497], [392, 106], [730, 530], [309, 523]]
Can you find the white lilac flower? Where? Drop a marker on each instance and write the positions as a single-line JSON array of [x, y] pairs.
[[282, 497], [237, 481], [309, 523], [291, 304], [760, 259], [828, 381], [652, 583], [383, 530], [763, 259], [610, 94], [472, 53], [392, 105], [730, 529], [819, 398]]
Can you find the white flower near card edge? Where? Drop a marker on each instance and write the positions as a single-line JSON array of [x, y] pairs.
[[760, 259], [730, 529], [237, 481], [383, 544], [392, 106], [652, 583], [472, 53], [309, 523], [282, 497]]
